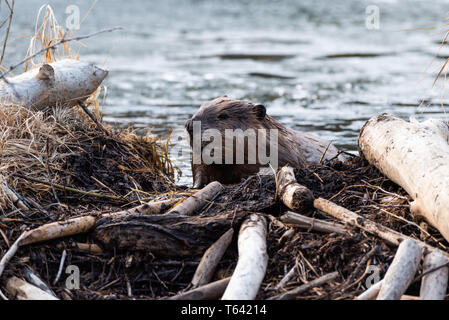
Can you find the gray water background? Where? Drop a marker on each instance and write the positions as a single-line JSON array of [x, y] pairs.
[[314, 64]]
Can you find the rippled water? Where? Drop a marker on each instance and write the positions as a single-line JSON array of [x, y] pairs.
[[314, 64]]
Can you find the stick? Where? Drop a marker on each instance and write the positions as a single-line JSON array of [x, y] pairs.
[[152, 207], [292, 294], [59, 229], [211, 291], [371, 293], [83, 224], [4, 74], [295, 196], [11, 252], [64, 188], [32, 278], [286, 278], [252, 262], [313, 224], [22, 290], [401, 271], [210, 260], [11, 12], [434, 285], [363, 223], [61, 265], [197, 201], [94, 119]]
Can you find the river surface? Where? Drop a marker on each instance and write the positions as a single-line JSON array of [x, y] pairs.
[[320, 66]]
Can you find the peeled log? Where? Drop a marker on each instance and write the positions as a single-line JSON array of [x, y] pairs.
[[252, 262], [295, 196], [401, 271], [63, 82], [22, 290], [434, 284], [198, 200], [416, 157], [211, 259]]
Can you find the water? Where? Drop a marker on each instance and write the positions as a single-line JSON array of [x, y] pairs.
[[313, 63]]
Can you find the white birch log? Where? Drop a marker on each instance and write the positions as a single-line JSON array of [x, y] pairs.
[[371, 293], [33, 279], [198, 200], [416, 157], [295, 196], [63, 82], [22, 290], [401, 271], [252, 262], [434, 284]]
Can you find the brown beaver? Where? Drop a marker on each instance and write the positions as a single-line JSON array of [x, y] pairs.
[[294, 147]]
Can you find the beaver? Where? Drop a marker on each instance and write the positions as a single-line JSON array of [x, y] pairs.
[[295, 148]]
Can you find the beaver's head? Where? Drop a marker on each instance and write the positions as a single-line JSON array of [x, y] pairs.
[[226, 113]]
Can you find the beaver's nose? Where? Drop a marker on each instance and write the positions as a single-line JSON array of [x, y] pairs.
[[189, 126]]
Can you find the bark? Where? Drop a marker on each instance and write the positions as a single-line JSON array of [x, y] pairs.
[[166, 235], [252, 262], [64, 82], [416, 157]]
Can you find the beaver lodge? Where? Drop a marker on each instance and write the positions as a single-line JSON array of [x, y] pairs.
[[81, 198]]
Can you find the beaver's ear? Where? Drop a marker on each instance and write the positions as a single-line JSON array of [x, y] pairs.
[[260, 111]]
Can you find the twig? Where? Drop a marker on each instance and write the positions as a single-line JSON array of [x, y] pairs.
[[312, 284], [63, 188], [63, 40], [11, 11], [61, 265], [8, 255], [94, 119]]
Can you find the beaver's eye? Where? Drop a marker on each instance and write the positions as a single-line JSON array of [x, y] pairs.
[[223, 116]]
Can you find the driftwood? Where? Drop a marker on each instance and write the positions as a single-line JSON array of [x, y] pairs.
[[33, 279], [292, 294], [313, 224], [286, 278], [434, 284], [401, 272], [22, 290], [211, 291], [64, 83], [197, 201], [295, 196], [371, 293], [363, 223], [416, 157], [60, 229], [252, 262], [210, 260]]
